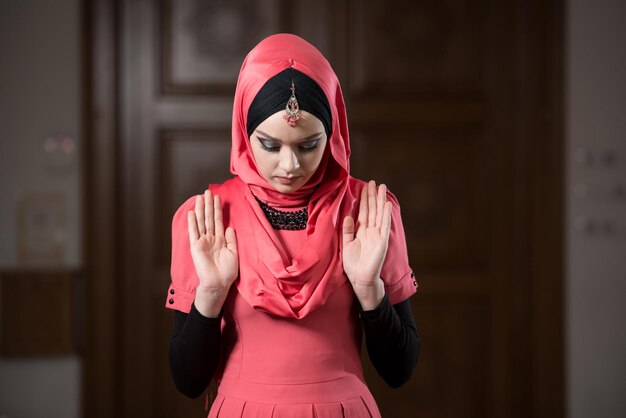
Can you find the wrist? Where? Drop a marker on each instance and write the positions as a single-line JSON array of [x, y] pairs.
[[370, 294], [212, 291], [375, 314], [209, 302]]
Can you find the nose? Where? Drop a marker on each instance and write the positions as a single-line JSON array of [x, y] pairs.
[[288, 160]]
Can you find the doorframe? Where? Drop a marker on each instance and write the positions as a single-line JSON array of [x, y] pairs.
[[541, 119], [103, 322]]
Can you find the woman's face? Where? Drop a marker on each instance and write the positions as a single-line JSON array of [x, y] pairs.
[[288, 156]]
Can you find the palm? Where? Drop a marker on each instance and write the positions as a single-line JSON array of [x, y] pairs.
[[213, 250], [362, 257], [364, 253], [214, 261]]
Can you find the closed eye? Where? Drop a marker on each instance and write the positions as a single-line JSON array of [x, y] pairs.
[[269, 146], [309, 146], [273, 146]]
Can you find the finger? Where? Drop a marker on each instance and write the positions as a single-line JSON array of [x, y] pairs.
[[192, 226], [380, 204], [219, 224], [208, 212], [348, 230], [371, 203], [231, 240], [199, 210], [386, 223], [362, 220]]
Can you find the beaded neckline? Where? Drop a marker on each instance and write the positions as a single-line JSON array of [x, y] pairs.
[[290, 221]]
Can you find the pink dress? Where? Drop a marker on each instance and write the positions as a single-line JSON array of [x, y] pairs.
[[278, 366], [282, 367]]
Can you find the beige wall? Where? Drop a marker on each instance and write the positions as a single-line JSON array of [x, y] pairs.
[[596, 213], [39, 98]]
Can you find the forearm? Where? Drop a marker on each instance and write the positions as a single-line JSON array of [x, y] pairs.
[[392, 341], [194, 351]]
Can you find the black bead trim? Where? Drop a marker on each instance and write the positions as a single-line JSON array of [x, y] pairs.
[[290, 221]]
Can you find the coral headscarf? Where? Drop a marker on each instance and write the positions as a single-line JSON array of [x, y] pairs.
[[268, 58], [331, 194]]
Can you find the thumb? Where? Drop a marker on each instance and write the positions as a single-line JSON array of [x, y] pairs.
[[348, 229], [231, 239]]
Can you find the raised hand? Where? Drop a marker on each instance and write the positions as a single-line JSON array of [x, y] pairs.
[[364, 252], [214, 253]]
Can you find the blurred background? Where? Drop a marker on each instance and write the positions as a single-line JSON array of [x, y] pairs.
[[499, 125]]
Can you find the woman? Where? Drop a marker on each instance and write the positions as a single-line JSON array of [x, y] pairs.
[[273, 280]]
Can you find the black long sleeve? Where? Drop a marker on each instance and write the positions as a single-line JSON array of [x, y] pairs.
[[194, 351], [392, 341]]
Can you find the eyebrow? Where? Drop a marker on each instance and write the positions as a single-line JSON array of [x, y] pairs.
[[308, 138]]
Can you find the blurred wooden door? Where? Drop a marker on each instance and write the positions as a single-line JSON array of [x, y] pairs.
[[453, 103]]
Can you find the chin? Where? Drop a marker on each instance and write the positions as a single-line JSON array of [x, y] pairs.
[[286, 188]]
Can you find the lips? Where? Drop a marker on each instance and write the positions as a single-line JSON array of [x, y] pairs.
[[287, 180]]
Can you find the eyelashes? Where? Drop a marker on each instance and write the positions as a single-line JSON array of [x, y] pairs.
[[269, 147], [309, 147]]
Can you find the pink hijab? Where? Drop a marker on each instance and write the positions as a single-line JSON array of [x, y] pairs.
[[331, 194], [271, 56]]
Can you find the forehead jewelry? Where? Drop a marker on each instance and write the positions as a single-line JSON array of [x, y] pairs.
[[292, 110]]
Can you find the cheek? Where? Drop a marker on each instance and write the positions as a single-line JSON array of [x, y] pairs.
[[266, 164], [263, 161], [258, 158], [313, 161]]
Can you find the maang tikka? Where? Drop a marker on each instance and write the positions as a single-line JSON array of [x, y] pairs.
[[292, 110]]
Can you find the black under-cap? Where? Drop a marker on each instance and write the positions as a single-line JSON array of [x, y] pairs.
[[275, 93]]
